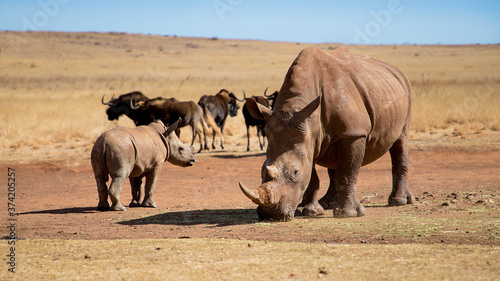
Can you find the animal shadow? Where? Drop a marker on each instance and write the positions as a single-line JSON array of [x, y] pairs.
[[74, 210], [218, 218]]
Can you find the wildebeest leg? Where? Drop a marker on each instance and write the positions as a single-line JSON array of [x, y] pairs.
[[221, 135], [114, 193], [213, 139], [135, 183], [258, 137], [330, 198], [102, 189], [350, 154], [400, 194], [149, 188], [193, 130], [205, 137], [310, 206], [248, 137], [197, 132]]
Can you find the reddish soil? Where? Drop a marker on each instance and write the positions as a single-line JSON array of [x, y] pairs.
[[57, 201]]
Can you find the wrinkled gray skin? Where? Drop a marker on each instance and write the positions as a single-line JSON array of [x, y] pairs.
[[341, 111], [135, 153]]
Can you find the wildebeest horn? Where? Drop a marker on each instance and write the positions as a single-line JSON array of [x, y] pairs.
[[265, 91], [132, 104], [234, 96], [250, 194], [244, 95], [109, 102]]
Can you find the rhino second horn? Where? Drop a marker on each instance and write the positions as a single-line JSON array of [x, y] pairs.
[[272, 171], [250, 194]]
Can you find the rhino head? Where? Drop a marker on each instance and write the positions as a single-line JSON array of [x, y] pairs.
[[287, 170], [177, 152]]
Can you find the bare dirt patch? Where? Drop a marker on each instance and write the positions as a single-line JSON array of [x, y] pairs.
[[458, 202]]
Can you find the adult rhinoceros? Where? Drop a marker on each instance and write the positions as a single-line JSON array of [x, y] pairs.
[[135, 153], [339, 110]]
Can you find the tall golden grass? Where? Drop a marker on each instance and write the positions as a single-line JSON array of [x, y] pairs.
[[51, 84]]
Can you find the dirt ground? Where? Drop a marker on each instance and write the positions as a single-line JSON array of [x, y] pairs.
[[458, 202]]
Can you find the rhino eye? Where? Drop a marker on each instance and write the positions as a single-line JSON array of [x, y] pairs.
[[294, 174]]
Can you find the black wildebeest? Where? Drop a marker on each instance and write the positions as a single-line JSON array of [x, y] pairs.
[[258, 123], [121, 105], [220, 106], [169, 111]]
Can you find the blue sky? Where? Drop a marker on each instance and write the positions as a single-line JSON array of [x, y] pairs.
[[355, 21]]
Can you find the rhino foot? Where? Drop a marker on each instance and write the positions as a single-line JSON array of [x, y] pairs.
[[310, 210], [349, 213], [401, 201], [118, 207]]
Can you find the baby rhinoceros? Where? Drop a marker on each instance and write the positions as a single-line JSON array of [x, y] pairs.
[[135, 153]]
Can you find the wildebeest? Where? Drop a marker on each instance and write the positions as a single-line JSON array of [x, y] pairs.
[[258, 123], [121, 105], [167, 111], [135, 153], [339, 110], [220, 105]]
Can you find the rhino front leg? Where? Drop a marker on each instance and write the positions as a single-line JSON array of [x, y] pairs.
[[102, 189], [400, 194], [330, 198], [310, 206], [114, 193], [136, 184], [149, 188], [350, 157]]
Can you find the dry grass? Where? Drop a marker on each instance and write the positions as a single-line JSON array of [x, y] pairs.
[[220, 259], [51, 84]]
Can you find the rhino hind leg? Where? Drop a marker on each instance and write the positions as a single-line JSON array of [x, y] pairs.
[[114, 194], [350, 155], [329, 200], [310, 206], [102, 189], [400, 194], [135, 184]]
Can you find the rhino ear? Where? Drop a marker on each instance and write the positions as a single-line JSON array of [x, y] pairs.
[[173, 127], [257, 110], [303, 114]]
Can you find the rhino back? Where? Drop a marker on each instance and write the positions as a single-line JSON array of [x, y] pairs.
[[360, 97], [150, 150], [129, 151]]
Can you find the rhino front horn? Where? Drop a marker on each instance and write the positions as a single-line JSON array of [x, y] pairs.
[[252, 195]]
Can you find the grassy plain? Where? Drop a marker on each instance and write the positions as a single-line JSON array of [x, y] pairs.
[[224, 259], [51, 84]]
